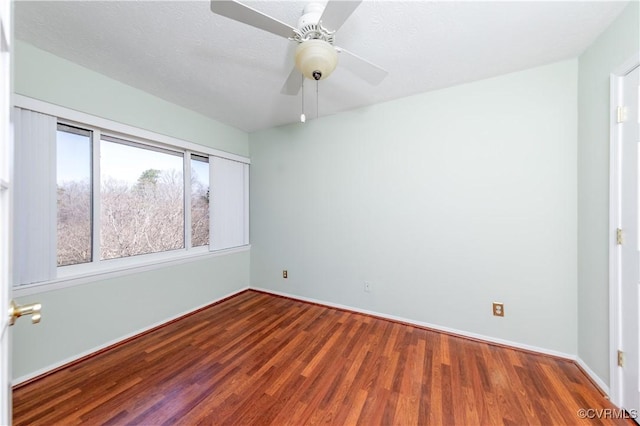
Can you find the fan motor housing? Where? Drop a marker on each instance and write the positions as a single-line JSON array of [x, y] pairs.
[[309, 25], [310, 15]]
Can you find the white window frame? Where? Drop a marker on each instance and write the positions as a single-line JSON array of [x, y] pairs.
[[97, 269]]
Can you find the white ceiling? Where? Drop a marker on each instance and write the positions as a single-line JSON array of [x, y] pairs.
[[183, 53]]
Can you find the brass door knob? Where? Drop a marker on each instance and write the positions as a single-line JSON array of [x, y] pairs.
[[17, 311]]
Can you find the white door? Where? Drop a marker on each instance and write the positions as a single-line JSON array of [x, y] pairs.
[[5, 192], [630, 247]]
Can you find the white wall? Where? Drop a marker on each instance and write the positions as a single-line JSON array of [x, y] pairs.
[[80, 319], [444, 201], [616, 45]]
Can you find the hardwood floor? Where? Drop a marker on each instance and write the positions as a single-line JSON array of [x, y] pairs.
[[263, 359]]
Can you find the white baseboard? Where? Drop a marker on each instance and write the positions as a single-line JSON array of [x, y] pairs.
[[593, 376], [462, 333], [76, 357]]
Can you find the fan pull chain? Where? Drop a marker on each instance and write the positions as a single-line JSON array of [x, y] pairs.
[[317, 101], [303, 118]]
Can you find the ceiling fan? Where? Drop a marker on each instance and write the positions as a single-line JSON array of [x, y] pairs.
[[316, 56]]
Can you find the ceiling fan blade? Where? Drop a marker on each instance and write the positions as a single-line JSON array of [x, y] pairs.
[[293, 83], [336, 12], [368, 71], [247, 15]]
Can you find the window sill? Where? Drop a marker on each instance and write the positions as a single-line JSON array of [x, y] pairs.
[[93, 273]]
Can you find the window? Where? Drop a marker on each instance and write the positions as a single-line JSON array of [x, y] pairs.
[[73, 180], [141, 199], [91, 201]]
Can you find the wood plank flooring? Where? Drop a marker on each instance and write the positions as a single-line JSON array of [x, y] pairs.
[[263, 359]]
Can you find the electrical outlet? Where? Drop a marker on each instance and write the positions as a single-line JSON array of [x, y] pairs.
[[367, 286], [285, 274], [498, 309]]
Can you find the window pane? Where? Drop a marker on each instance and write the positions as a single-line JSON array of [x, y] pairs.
[[199, 201], [73, 169], [142, 199]]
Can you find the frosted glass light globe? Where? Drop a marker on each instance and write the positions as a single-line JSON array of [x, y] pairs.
[[316, 56]]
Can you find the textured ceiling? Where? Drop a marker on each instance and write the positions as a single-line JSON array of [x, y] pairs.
[[183, 53]]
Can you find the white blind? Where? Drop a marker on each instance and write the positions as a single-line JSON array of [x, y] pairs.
[[229, 205], [34, 242]]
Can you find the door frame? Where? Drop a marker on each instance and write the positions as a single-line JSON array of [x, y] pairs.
[[6, 178], [615, 185]]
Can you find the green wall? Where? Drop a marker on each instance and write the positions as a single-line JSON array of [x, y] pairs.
[[41, 75], [614, 47], [444, 201], [79, 319]]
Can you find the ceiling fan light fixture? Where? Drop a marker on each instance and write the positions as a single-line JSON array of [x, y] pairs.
[[316, 59]]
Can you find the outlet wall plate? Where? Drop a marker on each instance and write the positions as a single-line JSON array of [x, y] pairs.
[[498, 309], [285, 274]]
